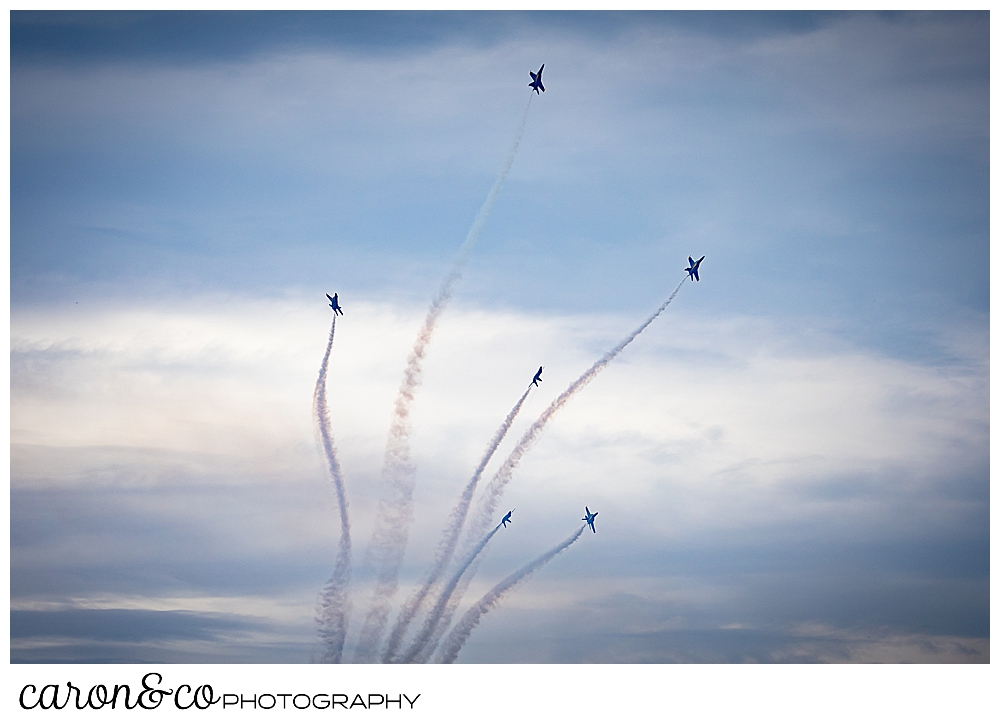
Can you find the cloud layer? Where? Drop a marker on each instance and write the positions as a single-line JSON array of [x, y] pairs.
[[791, 463], [745, 479]]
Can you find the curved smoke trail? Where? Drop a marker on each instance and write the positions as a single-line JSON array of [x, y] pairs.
[[494, 491], [333, 607], [449, 539], [430, 625], [395, 509], [458, 636]]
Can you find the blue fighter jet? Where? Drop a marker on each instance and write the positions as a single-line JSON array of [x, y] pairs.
[[506, 518], [335, 305], [693, 269], [536, 81], [537, 378], [589, 519]]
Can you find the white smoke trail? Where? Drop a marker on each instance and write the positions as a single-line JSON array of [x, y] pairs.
[[424, 655], [430, 625], [333, 607], [494, 491], [395, 509], [449, 539], [458, 636]]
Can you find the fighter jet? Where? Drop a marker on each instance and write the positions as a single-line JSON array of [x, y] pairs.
[[536, 80], [506, 518], [537, 378], [590, 518], [335, 305], [693, 269]]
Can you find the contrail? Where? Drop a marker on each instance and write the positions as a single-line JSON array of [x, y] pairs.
[[333, 607], [449, 539], [458, 636], [494, 491], [444, 621], [430, 625], [395, 509]]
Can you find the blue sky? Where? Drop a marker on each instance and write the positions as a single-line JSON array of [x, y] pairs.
[[791, 464]]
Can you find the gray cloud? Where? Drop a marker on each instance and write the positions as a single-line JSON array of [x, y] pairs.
[[137, 636], [804, 161]]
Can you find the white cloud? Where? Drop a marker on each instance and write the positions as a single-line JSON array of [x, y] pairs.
[[699, 424]]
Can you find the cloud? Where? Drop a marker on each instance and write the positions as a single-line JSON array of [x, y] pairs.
[[142, 636], [926, 74], [168, 453], [805, 158], [682, 628], [804, 432]]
